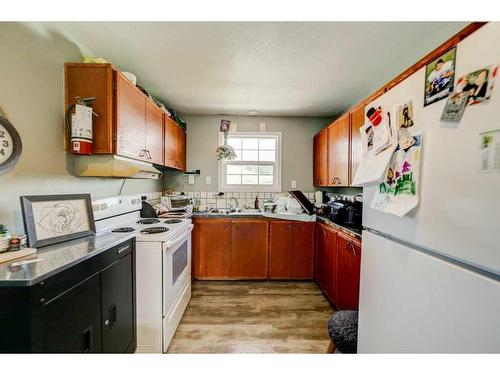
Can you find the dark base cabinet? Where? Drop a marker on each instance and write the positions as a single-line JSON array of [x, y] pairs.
[[88, 308], [72, 321]]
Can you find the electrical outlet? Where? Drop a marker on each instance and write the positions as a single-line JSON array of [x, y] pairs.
[[191, 179], [293, 184], [208, 180]]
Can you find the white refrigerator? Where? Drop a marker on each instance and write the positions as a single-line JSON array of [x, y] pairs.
[[430, 281]]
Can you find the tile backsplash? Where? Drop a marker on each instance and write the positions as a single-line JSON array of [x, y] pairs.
[[209, 199]]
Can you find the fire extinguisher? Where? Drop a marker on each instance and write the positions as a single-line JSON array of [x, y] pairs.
[[79, 123]]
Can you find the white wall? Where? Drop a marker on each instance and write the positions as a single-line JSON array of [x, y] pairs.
[[297, 148], [32, 96]]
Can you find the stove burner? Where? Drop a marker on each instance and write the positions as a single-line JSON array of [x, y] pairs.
[[173, 221], [123, 230], [148, 221], [154, 230]]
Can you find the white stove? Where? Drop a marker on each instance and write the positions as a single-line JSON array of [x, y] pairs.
[[163, 267]]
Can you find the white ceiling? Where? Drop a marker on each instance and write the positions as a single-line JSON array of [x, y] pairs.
[[288, 69]]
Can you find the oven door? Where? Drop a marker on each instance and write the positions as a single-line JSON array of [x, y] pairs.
[[176, 268]]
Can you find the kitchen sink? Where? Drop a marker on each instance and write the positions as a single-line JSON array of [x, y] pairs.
[[232, 211]]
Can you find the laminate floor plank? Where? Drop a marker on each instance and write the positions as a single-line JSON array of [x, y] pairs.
[[254, 317]]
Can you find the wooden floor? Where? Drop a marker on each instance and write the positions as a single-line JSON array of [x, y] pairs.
[[254, 317]]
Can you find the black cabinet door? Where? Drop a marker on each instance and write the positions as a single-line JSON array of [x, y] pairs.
[[72, 321], [118, 306]]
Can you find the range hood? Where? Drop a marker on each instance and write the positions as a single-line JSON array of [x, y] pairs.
[[114, 166]]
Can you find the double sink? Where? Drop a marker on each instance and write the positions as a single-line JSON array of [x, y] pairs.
[[234, 211]]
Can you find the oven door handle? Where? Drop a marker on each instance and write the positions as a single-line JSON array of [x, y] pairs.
[[181, 238]]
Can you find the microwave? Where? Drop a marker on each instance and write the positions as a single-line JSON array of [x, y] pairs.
[[176, 202]]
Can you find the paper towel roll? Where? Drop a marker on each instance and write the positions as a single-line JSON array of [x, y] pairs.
[[318, 198]]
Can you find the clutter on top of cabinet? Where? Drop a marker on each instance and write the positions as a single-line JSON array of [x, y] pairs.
[[131, 77]]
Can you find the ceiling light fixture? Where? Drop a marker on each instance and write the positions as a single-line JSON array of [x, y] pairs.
[[253, 112]]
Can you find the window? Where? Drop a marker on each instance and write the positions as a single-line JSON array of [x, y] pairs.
[[257, 166]]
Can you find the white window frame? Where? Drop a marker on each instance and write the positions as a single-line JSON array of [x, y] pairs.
[[276, 187]]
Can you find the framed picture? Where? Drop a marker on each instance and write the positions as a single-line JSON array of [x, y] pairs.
[[50, 219], [439, 77]]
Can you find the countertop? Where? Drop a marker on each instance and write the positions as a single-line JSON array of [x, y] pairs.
[[257, 215], [58, 257], [356, 233], [322, 219]]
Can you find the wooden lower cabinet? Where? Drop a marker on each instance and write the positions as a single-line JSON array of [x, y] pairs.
[[249, 249], [211, 241], [280, 249], [252, 249], [291, 250], [326, 259], [337, 271], [348, 273]]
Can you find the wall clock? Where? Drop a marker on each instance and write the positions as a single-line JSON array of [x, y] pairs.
[[10, 144]]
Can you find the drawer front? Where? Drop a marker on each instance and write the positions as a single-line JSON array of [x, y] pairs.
[[54, 286]]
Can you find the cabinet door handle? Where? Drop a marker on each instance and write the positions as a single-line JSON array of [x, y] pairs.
[[122, 249], [112, 315], [289, 225], [351, 244], [324, 231], [148, 154], [141, 154], [87, 339]]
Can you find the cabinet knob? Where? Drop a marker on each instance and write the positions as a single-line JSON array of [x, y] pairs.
[[106, 323]]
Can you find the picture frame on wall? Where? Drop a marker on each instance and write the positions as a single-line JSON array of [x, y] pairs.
[[50, 219], [440, 77]]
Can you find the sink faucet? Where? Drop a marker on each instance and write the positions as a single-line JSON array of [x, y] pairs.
[[236, 206]]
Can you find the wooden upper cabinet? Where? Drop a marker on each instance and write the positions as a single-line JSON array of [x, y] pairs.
[[320, 159], [181, 149], [154, 133], [211, 249], [93, 80], [175, 145], [357, 121], [170, 142], [130, 120], [338, 152], [280, 249], [303, 251], [249, 249]]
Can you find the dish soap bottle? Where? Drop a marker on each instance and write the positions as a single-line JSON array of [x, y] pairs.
[[256, 203]]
